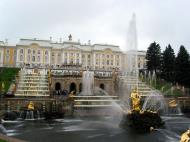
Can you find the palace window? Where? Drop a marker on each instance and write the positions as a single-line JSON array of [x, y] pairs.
[[46, 52], [33, 58], [111, 62], [21, 51], [108, 62], [38, 51], [77, 54], [77, 61], [7, 51], [71, 62], [117, 63], [34, 51], [83, 56], [139, 65], [29, 51], [38, 58], [89, 56], [107, 56]]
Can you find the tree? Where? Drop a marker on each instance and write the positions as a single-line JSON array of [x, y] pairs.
[[168, 64], [153, 57], [182, 68]]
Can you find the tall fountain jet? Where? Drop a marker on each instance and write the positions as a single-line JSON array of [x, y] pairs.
[[130, 68], [87, 83], [132, 48]]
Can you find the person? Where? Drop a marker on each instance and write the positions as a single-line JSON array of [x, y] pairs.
[[185, 137]]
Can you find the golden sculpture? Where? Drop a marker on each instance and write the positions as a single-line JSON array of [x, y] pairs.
[[185, 137], [172, 103], [135, 100], [31, 106]]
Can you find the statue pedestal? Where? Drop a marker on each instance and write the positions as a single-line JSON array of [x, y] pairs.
[[142, 121]]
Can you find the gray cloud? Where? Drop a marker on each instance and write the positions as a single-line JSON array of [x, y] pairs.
[[105, 21]]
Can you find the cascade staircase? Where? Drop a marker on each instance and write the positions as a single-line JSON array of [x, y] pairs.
[[32, 84], [132, 81]]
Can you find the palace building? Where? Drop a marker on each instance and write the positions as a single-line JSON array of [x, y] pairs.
[[46, 53]]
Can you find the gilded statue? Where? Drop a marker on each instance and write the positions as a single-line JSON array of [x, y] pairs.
[[135, 100], [31, 106], [173, 103], [185, 137]]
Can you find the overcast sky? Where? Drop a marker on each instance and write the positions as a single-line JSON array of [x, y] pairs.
[[101, 21]]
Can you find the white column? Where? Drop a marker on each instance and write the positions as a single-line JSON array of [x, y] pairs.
[[63, 55], [80, 57], [74, 57], [68, 56], [56, 58], [17, 57], [100, 61], [24, 55], [94, 61], [114, 64], [49, 56], [120, 61], [86, 58]]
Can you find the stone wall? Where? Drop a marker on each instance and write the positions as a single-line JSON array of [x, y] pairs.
[[65, 83]]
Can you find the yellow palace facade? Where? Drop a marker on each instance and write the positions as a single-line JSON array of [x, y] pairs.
[[46, 53]]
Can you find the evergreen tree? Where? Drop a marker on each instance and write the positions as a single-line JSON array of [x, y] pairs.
[[153, 57], [168, 64], [183, 67]]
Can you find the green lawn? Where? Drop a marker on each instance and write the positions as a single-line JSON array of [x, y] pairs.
[[3, 140], [7, 75]]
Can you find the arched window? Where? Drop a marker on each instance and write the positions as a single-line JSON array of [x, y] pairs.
[[73, 87], [57, 86], [102, 86]]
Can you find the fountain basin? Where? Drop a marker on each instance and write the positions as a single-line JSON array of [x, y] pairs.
[[142, 121]]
